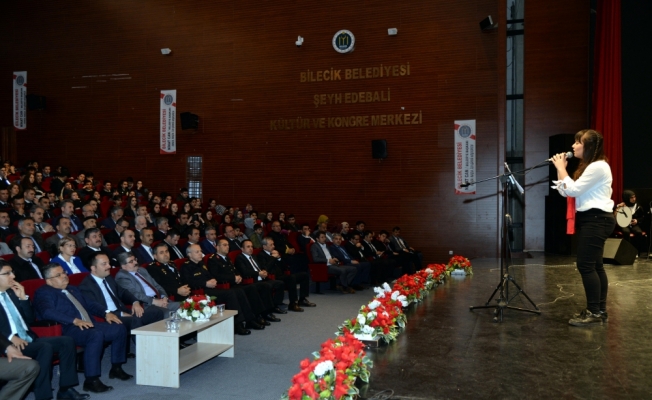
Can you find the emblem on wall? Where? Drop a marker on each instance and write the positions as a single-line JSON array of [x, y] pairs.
[[343, 41]]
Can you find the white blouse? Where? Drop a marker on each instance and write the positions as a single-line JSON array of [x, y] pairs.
[[591, 190]]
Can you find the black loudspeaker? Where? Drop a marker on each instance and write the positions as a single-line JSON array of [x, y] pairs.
[[619, 251], [379, 149], [35, 102], [487, 24], [189, 121]]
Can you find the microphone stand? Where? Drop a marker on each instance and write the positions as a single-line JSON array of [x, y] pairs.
[[503, 299]]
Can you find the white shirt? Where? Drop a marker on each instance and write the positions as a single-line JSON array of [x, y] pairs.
[[110, 305], [149, 292], [71, 264], [14, 331], [591, 190], [326, 253]]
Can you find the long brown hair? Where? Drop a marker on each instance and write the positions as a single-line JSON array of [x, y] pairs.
[[593, 149]]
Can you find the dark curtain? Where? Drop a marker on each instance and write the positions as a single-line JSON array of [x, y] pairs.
[[606, 113]]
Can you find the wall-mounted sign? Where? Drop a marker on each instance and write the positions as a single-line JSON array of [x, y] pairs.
[[168, 122], [343, 41], [19, 98]]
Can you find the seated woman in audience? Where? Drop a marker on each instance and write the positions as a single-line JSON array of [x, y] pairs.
[[97, 196], [66, 257], [131, 208], [155, 211], [187, 208], [226, 221], [209, 221], [321, 220], [239, 218], [249, 228], [633, 232], [281, 218], [76, 200], [27, 182], [15, 190], [267, 219], [173, 212]]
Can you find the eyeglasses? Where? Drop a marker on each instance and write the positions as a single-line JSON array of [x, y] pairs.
[[58, 275], [8, 273]]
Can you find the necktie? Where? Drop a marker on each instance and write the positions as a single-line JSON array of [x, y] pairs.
[[253, 263], [38, 272], [346, 256], [82, 312], [73, 224], [236, 243], [38, 226], [116, 302], [176, 250], [37, 249], [18, 321], [400, 241], [149, 284]]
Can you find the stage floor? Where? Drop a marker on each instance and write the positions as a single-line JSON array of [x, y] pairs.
[[449, 352]]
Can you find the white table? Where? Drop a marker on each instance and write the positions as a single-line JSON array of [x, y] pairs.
[[159, 362]]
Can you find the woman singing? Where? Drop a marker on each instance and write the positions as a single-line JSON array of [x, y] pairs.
[[594, 220]]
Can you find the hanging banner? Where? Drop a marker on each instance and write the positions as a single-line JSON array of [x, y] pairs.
[[20, 100], [168, 134], [464, 156]]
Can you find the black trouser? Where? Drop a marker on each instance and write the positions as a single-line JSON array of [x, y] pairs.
[[290, 282], [233, 299], [593, 228], [42, 351]]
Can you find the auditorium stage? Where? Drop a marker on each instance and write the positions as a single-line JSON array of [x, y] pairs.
[[448, 352]]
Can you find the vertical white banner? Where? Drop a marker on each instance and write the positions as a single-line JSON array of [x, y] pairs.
[[464, 156], [20, 100], [168, 130]]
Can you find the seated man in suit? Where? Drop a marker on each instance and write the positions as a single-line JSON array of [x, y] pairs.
[[93, 239], [363, 267], [100, 287], [197, 275], [321, 254], [4, 194], [5, 229], [47, 208], [115, 214], [234, 243], [127, 242], [24, 264], [113, 237], [17, 211], [17, 370], [16, 315], [144, 253], [382, 269], [305, 237], [162, 225], [26, 228], [291, 224], [297, 262], [193, 234], [248, 267], [38, 213], [399, 245], [270, 260], [171, 240], [323, 227], [140, 223], [57, 301], [63, 230], [68, 211], [141, 285], [209, 244], [359, 229]]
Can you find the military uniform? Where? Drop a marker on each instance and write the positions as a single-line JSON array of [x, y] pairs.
[[168, 277]]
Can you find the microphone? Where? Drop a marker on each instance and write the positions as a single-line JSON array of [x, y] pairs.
[[569, 155]]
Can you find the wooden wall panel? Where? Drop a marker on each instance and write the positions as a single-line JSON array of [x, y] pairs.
[[556, 86], [235, 65]]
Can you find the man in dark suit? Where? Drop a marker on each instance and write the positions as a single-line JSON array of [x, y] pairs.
[[305, 237], [68, 210], [297, 262], [162, 225], [115, 214], [321, 254], [100, 287], [197, 275], [363, 267], [382, 269], [5, 229], [209, 244], [17, 370], [399, 245], [4, 197], [270, 260], [93, 239], [193, 235], [57, 301], [171, 240], [16, 315], [127, 241], [249, 268], [17, 211], [26, 228], [24, 264], [234, 243], [113, 237], [144, 253]]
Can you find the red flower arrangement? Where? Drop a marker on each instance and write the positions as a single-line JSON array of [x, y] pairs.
[[459, 262], [197, 307]]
